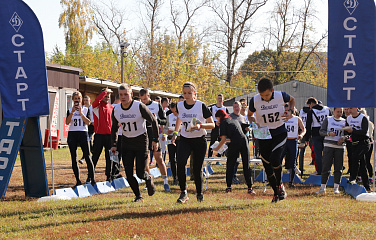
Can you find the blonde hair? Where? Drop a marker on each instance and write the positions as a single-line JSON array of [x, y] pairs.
[[77, 93]]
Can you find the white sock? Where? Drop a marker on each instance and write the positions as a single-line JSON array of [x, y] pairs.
[[323, 186], [165, 180], [336, 185]]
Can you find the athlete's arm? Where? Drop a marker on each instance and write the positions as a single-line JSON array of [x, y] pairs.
[[324, 128], [162, 116], [221, 143], [301, 126], [114, 131], [308, 125], [69, 117], [84, 118], [148, 116], [208, 125], [99, 99]]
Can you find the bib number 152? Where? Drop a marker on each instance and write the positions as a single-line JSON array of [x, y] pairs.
[[271, 117]]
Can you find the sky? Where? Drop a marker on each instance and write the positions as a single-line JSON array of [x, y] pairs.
[[48, 12]]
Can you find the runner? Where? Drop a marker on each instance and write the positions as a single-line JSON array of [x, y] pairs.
[[231, 129], [157, 110], [79, 118], [269, 106], [131, 115], [334, 149], [192, 139], [293, 125]]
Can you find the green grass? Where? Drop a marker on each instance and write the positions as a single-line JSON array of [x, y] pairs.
[[233, 215]]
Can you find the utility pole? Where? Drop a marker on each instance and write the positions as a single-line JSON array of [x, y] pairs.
[[123, 46]]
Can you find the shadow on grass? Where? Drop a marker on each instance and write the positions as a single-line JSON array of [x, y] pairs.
[[126, 215]]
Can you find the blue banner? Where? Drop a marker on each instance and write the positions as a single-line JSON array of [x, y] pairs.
[[351, 53], [23, 76], [11, 133]]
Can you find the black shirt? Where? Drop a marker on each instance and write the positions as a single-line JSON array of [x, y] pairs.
[[231, 129]]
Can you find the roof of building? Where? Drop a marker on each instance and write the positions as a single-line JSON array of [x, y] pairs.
[[135, 88]]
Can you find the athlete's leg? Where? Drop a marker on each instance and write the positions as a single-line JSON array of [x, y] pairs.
[[73, 151], [183, 152], [232, 155], [128, 160], [244, 152], [327, 161], [199, 147]]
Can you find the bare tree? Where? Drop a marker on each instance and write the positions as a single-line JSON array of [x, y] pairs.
[[182, 15], [291, 31], [110, 22], [233, 28]]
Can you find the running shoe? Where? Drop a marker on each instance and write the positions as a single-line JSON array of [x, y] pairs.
[[138, 199], [218, 163], [321, 191], [183, 198], [359, 179], [200, 197], [228, 190], [81, 161], [336, 190], [167, 187], [150, 185], [281, 192], [251, 191]]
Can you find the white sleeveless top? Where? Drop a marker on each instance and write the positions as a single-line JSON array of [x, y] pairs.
[[270, 113], [131, 120], [77, 124], [332, 126], [154, 108], [292, 126], [215, 109], [321, 115], [186, 116], [356, 122], [171, 120]]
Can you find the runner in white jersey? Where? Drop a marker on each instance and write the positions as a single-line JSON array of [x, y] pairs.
[[132, 116], [172, 116], [87, 103], [293, 136], [157, 110], [334, 149], [192, 139], [214, 134], [269, 106], [78, 118], [162, 136], [315, 117], [302, 146], [360, 145]]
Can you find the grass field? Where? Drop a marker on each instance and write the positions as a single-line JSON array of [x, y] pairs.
[[235, 215]]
